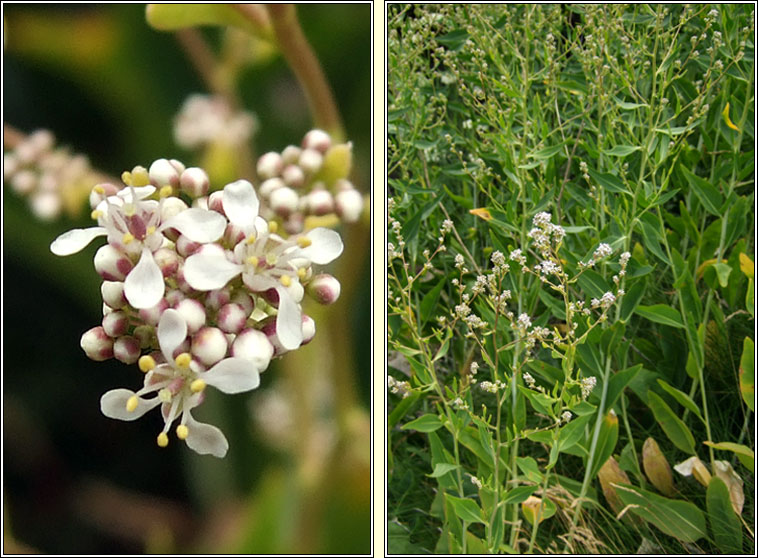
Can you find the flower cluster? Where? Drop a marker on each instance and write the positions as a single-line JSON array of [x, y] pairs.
[[53, 179], [205, 119], [212, 285], [310, 180]]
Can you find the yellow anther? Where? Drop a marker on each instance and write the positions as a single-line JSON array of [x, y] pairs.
[[126, 178], [98, 189], [162, 439], [182, 432], [271, 259], [140, 176], [251, 238], [166, 191], [252, 260], [131, 403], [129, 209], [197, 386], [146, 363], [165, 395], [150, 230], [302, 273], [273, 226], [285, 280], [96, 214], [128, 237], [304, 242], [183, 360]]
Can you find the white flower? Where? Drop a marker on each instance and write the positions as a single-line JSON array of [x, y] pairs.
[[264, 260], [603, 251], [134, 227], [178, 386]]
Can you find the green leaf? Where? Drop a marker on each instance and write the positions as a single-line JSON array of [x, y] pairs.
[[429, 302], [672, 425], [425, 423], [747, 373], [682, 398], [411, 227], [661, 314], [725, 525], [744, 453], [170, 17], [631, 300], [453, 40], [618, 382], [606, 442], [722, 272], [593, 284], [547, 152], [519, 494], [629, 106], [609, 182], [402, 408], [466, 509], [623, 150], [442, 469], [529, 468], [676, 518], [708, 194]]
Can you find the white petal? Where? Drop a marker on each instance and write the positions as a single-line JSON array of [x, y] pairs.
[[326, 245], [208, 272], [259, 283], [144, 286], [240, 204], [199, 225], [288, 321], [685, 467], [75, 240], [172, 330], [205, 438], [140, 193], [233, 375], [113, 405]]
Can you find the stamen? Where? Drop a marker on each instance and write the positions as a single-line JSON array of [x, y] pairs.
[[150, 230], [131, 403], [126, 178], [128, 237], [166, 191], [285, 280], [162, 439], [302, 273], [252, 260], [183, 360], [146, 363], [273, 226], [197, 386], [251, 238], [96, 214], [271, 259], [140, 176], [98, 189], [304, 242], [182, 432], [165, 395]]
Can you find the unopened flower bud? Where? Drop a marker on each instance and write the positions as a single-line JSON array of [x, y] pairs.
[[164, 172], [318, 140], [167, 261], [293, 176], [231, 318], [349, 205], [214, 300], [309, 329], [209, 345], [115, 324], [96, 344], [244, 300], [215, 202], [113, 294], [291, 154], [320, 202], [194, 182], [284, 201], [186, 247], [172, 207], [126, 349], [310, 161], [24, 182], [174, 297], [268, 187], [193, 313], [269, 165], [324, 289], [100, 192], [111, 264], [152, 315], [254, 346], [233, 235]]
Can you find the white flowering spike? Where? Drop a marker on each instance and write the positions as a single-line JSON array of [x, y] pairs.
[[177, 385]]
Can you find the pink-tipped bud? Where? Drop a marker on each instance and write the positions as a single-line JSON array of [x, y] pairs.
[[349, 205], [193, 313], [171, 207], [269, 330], [268, 187], [209, 345], [115, 324], [184, 347], [231, 318], [194, 182], [100, 192], [113, 294], [320, 202], [216, 299], [24, 182], [309, 329], [111, 264], [310, 161], [233, 235], [269, 165], [96, 344], [152, 316], [324, 289], [127, 349], [215, 202], [167, 261], [45, 205], [186, 247], [254, 346], [293, 176], [163, 172], [318, 140], [244, 300], [294, 223], [284, 201], [174, 297], [291, 154]]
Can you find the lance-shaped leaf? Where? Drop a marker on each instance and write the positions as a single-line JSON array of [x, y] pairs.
[[657, 468], [747, 373], [725, 525], [671, 424]]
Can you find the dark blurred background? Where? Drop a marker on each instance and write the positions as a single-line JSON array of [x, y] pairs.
[[108, 86]]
